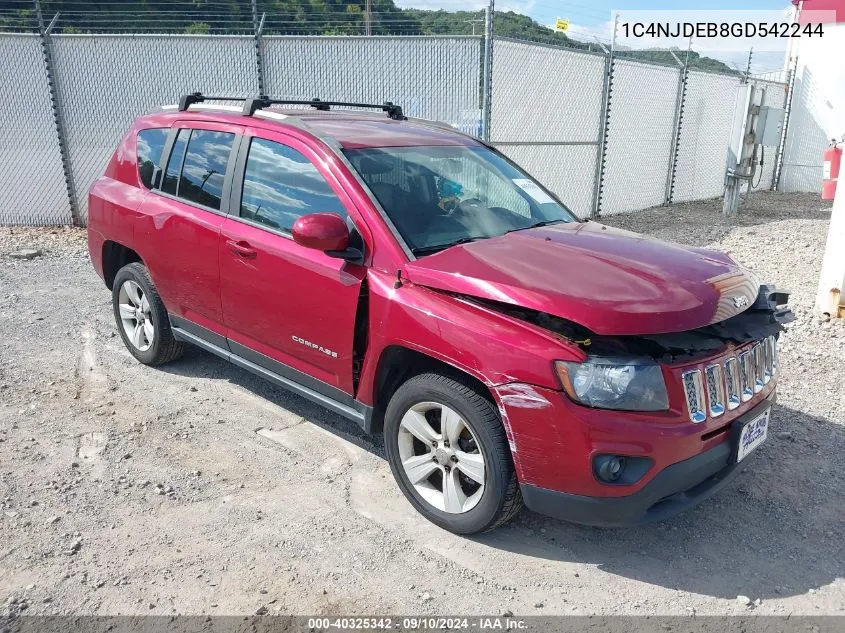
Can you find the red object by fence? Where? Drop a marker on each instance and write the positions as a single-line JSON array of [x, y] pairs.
[[832, 161]]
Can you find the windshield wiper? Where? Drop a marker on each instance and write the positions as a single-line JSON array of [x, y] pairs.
[[428, 250], [536, 226]]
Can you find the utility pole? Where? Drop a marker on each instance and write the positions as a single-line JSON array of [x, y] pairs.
[[368, 18], [741, 160], [474, 22]]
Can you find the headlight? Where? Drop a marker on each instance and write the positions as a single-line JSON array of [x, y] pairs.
[[608, 384]]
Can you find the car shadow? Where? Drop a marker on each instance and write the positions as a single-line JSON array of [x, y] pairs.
[[197, 362], [775, 531]]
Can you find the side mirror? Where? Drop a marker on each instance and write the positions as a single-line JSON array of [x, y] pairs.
[[325, 232]]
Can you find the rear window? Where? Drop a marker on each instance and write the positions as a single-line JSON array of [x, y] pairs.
[[150, 146]]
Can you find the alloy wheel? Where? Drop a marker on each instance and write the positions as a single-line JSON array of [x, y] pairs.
[[441, 457], [136, 316]]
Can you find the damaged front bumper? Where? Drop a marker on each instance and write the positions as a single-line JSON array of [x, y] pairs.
[[555, 444], [673, 490]]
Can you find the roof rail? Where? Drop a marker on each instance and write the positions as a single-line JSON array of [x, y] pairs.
[[251, 104]]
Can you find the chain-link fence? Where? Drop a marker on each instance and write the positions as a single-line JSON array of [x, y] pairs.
[[106, 81], [705, 131], [548, 120], [32, 185], [641, 129], [431, 77], [606, 133]]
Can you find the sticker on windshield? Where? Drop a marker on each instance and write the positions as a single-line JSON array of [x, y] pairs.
[[532, 189]]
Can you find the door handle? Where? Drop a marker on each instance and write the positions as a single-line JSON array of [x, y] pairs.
[[242, 249]]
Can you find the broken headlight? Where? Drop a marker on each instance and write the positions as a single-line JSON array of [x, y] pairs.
[[610, 384]]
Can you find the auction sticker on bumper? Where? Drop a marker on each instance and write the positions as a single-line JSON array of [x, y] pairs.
[[753, 434]]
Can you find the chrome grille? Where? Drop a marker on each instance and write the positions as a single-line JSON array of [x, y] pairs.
[[695, 395], [734, 382], [759, 367], [724, 386], [715, 390], [771, 346]]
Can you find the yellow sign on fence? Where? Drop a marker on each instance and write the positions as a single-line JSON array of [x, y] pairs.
[[562, 25]]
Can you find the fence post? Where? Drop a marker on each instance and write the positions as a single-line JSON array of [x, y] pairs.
[[679, 121], [55, 104], [787, 107], [258, 29], [487, 79], [607, 92]]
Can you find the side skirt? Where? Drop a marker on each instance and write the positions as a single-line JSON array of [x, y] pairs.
[[355, 411]]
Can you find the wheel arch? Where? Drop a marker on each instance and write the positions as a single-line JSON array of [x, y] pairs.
[[398, 363], [115, 257]]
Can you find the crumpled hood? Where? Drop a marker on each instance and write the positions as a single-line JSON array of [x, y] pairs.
[[612, 282]]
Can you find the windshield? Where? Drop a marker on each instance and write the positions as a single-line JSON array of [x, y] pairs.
[[441, 196]]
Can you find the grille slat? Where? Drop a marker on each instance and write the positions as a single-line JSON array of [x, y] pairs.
[[734, 382], [715, 390], [728, 384], [694, 388], [759, 367], [746, 373], [770, 347]]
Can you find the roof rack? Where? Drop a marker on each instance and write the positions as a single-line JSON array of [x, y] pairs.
[[251, 104]]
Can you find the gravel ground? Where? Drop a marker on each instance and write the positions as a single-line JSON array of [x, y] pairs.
[[197, 488]]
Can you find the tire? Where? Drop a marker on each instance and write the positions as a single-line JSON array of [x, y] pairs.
[[469, 507], [161, 347]]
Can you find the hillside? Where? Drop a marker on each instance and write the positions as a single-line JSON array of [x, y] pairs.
[[294, 17]]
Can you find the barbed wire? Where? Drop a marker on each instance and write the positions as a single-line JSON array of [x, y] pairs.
[[236, 18]]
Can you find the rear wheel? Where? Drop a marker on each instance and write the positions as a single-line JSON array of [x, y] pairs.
[[142, 318], [448, 451]]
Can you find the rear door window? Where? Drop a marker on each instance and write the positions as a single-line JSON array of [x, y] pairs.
[[204, 168], [150, 144], [174, 164]]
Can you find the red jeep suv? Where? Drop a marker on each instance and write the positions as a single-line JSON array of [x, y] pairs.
[[413, 279]]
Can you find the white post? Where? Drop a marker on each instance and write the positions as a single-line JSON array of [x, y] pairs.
[[830, 299]]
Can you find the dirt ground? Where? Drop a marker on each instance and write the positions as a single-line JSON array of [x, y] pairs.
[[198, 488]]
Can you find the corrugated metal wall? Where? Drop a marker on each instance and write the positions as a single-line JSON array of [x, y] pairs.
[[818, 109]]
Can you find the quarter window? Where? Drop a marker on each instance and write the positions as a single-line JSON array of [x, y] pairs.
[[150, 146], [281, 185]]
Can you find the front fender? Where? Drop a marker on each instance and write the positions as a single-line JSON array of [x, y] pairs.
[[494, 348]]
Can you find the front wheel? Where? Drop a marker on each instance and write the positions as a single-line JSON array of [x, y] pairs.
[[449, 453]]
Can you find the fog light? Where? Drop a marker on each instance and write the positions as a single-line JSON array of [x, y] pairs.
[[609, 467], [620, 470]]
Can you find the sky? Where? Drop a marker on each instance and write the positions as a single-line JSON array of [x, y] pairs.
[[592, 19]]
